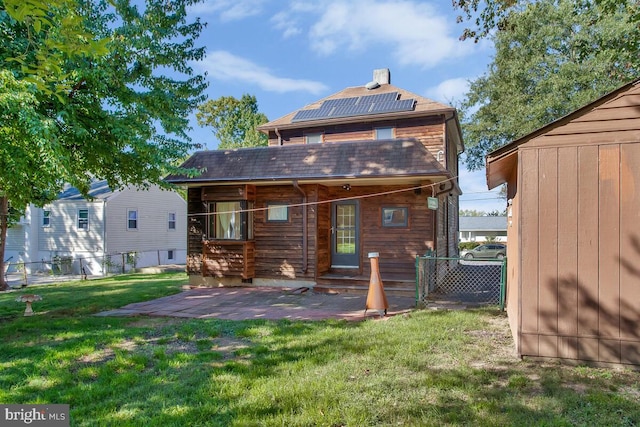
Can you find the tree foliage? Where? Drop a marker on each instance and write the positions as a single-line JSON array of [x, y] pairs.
[[551, 59], [93, 90], [234, 121]]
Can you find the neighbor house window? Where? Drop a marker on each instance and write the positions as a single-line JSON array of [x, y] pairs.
[[46, 218], [277, 212], [132, 219], [231, 220], [395, 217], [170, 254], [83, 219], [384, 133], [313, 138], [171, 221]]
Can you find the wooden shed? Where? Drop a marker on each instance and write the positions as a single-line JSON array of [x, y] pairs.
[[574, 233]]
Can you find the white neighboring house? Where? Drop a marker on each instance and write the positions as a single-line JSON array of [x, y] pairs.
[[483, 228], [151, 224]]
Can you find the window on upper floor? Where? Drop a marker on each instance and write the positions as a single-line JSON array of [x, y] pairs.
[[46, 218], [83, 219], [313, 138], [171, 221], [232, 220], [132, 219], [384, 133]]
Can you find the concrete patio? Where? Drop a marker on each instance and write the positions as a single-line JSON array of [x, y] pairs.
[[239, 303]]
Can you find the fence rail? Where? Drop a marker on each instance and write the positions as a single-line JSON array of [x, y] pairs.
[[82, 266], [460, 280]]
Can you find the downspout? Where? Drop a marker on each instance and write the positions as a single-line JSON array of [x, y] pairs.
[[279, 136], [305, 261]]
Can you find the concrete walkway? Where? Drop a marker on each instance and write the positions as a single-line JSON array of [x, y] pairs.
[[240, 303]]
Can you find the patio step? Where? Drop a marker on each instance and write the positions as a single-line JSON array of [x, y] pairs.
[[334, 284]]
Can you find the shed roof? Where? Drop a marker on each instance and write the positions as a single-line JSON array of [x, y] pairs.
[[502, 161], [314, 162], [483, 223]]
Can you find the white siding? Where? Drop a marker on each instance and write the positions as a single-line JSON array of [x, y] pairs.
[[153, 233], [63, 235], [15, 238]]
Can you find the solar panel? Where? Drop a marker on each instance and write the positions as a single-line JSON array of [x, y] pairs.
[[382, 97], [356, 106], [339, 102], [393, 106]]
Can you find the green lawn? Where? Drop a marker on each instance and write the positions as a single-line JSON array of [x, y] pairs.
[[425, 368]]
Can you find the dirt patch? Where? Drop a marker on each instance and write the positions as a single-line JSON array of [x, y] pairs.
[[228, 347]]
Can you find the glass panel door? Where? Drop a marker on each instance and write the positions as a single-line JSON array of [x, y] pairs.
[[345, 251]]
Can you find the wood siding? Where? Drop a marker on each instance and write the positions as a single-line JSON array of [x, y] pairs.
[[430, 131], [579, 216], [196, 230]]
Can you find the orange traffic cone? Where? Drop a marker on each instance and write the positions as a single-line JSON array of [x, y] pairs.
[[376, 298]]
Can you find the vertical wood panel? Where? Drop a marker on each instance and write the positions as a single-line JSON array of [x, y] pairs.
[[609, 237], [528, 189], [548, 240], [588, 241], [630, 242], [567, 237]]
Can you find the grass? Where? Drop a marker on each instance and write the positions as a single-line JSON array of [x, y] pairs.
[[425, 368]]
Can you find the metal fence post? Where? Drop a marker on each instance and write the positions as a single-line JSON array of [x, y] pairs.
[[503, 283]]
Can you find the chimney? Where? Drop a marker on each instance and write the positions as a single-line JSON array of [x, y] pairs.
[[382, 76]]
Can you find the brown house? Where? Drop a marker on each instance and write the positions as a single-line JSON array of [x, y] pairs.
[[574, 232], [345, 176]]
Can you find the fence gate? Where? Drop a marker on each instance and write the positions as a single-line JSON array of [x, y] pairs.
[[460, 280]]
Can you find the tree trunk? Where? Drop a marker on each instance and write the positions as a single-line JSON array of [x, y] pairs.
[[4, 220]]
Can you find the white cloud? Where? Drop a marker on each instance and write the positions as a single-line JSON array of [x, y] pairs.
[[229, 10], [222, 65], [449, 91], [284, 22], [415, 31]]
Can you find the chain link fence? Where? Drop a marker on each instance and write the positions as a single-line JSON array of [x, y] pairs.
[[80, 267], [456, 279]]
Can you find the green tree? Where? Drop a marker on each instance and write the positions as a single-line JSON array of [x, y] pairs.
[[550, 60], [111, 104], [234, 121]]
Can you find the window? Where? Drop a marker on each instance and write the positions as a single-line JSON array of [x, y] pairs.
[[231, 220], [132, 219], [313, 138], [395, 217], [83, 219], [170, 254], [46, 218], [384, 133], [171, 221], [277, 212]]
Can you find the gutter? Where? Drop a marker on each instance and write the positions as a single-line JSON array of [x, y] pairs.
[[305, 228]]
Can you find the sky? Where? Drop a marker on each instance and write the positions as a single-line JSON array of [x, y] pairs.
[[290, 53]]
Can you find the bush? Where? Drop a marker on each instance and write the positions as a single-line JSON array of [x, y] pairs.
[[465, 246]]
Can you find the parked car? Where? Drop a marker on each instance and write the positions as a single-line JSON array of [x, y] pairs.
[[487, 251]]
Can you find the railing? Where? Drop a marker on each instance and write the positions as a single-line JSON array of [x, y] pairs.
[[479, 282], [78, 267]]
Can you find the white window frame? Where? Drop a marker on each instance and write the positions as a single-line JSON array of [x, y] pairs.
[[129, 219], [171, 221], [314, 138], [387, 130], [46, 218], [81, 221]]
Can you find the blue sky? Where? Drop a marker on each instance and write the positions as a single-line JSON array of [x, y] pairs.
[[289, 53]]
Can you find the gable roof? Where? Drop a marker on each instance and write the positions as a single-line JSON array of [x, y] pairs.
[[98, 190], [422, 107], [483, 223], [314, 162], [502, 161]]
